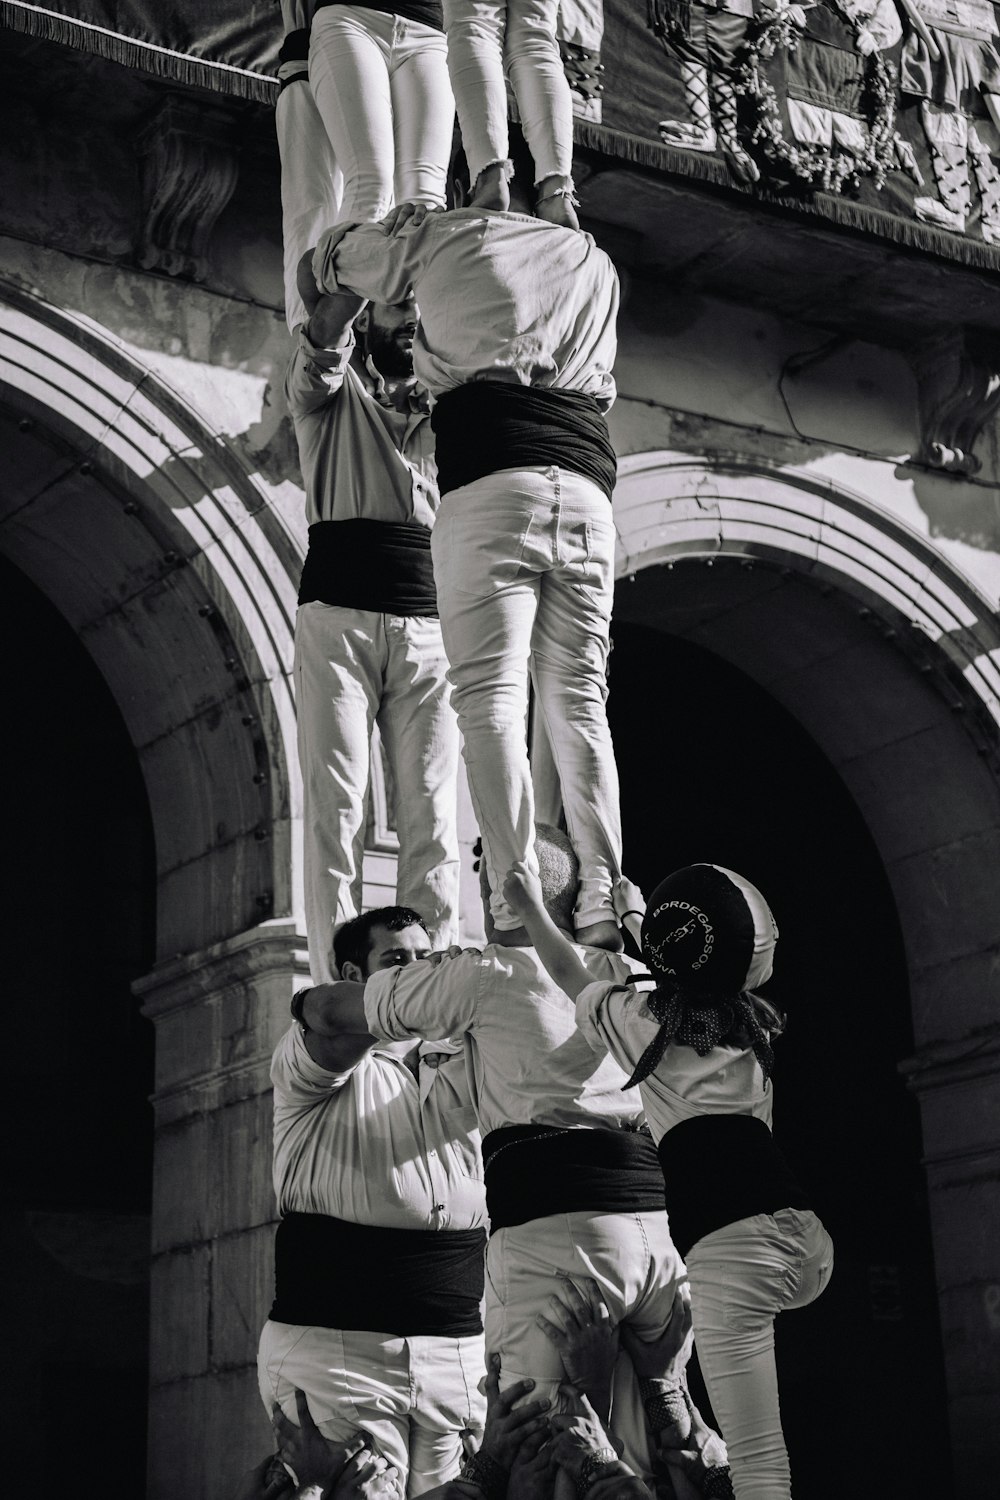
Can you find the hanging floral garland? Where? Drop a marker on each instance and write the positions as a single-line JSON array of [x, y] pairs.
[[824, 168]]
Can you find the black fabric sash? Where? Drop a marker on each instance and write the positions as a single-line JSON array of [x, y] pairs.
[[489, 425], [533, 1171], [384, 566], [721, 1168], [405, 1282], [430, 12]]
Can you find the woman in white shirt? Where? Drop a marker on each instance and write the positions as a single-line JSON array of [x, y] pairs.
[[699, 1047]]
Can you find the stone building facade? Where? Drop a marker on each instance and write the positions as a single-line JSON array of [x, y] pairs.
[[806, 675]]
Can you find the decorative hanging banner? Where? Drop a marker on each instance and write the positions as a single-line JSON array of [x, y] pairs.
[[882, 115]]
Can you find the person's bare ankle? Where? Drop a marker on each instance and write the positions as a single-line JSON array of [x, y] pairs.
[[556, 202], [492, 189], [604, 934]]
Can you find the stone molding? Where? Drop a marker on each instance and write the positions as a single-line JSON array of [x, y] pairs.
[[669, 504], [958, 380], [189, 163], [218, 1014]]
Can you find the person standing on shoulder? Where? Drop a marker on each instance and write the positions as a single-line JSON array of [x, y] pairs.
[[368, 645], [515, 345]]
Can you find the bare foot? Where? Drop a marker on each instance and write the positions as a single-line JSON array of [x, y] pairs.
[[556, 202], [604, 934], [492, 190]]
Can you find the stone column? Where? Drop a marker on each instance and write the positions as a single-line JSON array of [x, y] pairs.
[[218, 1015], [958, 1085]]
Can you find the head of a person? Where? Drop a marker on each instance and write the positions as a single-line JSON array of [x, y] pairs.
[[522, 186], [558, 874], [388, 330], [379, 939], [709, 932]]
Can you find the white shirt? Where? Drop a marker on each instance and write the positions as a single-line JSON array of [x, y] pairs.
[[502, 296], [615, 1020], [359, 456], [376, 1145], [529, 1062]]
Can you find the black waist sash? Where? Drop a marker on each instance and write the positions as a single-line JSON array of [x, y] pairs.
[[294, 49], [533, 1171], [430, 12], [379, 565], [720, 1168], [488, 425], [405, 1282]]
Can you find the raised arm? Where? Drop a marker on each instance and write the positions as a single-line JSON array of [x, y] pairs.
[[523, 894], [332, 1017], [322, 349]]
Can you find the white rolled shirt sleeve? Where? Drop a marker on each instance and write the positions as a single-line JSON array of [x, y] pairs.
[[365, 259], [423, 1000]]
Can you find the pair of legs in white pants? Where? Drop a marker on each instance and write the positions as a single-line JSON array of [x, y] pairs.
[[483, 37], [741, 1277], [635, 1264], [353, 668], [524, 568], [414, 1396], [311, 185], [381, 86]]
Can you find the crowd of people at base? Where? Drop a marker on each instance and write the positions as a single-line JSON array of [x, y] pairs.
[[490, 1163]]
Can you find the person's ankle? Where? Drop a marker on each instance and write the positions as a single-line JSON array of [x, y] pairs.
[[492, 188], [556, 202]]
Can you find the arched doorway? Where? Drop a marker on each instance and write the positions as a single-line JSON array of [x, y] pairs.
[[78, 922], [823, 705], [164, 559]]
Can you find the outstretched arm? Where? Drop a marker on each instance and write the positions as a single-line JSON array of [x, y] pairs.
[[523, 894], [332, 1017]]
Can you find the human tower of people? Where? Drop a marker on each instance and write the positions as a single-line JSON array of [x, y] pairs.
[[494, 1137]]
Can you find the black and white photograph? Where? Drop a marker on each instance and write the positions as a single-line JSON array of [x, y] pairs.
[[500, 554]]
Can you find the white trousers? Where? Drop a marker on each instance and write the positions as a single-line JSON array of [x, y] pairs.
[[634, 1263], [414, 1396], [311, 185], [741, 1277], [381, 86], [524, 568], [484, 36], [355, 668]]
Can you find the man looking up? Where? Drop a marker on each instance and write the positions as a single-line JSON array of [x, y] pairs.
[[515, 345], [573, 1189], [379, 1252], [368, 645]]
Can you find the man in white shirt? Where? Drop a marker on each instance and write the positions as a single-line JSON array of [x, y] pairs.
[[379, 1252], [573, 1188], [515, 346], [368, 645]]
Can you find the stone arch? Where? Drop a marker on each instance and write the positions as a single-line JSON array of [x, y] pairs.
[[149, 535], [928, 628], [890, 658]]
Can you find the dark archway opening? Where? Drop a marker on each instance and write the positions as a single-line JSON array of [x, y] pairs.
[[713, 767], [77, 1135]]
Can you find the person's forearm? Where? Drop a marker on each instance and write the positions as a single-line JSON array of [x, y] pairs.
[[558, 957], [332, 321], [336, 1009]]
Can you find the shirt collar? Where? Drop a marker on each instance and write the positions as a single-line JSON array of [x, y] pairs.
[[417, 398]]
